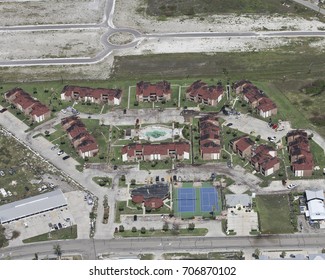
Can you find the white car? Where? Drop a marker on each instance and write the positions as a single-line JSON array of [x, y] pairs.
[[291, 186], [60, 152]]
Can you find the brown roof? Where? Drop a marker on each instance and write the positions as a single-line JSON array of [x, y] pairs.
[[137, 199], [204, 91], [24, 99], [266, 104], [162, 149], [96, 93], [244, 143], [159, 89], [39, 109], [153, 203]]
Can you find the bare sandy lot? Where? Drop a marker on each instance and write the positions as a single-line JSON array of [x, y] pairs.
[[206, 45], [15, 12], [49, 44], [126, 15]]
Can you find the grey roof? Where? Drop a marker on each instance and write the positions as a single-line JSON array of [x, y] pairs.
[[314, 194], [234, 199], [32, 205]]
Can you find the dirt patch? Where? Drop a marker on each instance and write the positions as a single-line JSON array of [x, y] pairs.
[[121, 38], [49, 44]]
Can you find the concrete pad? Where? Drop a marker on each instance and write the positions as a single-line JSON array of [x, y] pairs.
[[242, 222]]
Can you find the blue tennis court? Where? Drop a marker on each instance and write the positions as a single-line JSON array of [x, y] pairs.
[[186, 200], [209, 199]]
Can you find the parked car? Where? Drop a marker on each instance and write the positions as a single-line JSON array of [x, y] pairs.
[[2, 173], [175, 178], [60, 152], [65, 157], [291, 186], [115, 167], [229, 124], [3, 110], [157, 178], [59, 225]]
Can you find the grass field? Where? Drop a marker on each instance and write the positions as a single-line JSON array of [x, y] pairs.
[[274, 214], [169, 8]]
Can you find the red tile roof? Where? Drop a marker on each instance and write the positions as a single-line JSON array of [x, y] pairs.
[[204, 91], [24, 99], [244, 143], [161, 149], [266, 104], [159, 89], [153, 203], [39, 110], [96, 93], [299, 149]]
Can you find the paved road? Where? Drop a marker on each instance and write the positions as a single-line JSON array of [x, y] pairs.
[[91, 249]]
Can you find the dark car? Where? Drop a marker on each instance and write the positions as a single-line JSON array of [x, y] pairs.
[[229, 124], [65, 157], [115, 167], [59, 225], [3, 110], [174, 178], [157, 178]]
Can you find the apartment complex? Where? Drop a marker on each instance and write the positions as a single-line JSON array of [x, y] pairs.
[[30, 107], [147, 92]]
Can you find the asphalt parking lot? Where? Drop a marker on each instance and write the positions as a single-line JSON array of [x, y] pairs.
[[250, 125]]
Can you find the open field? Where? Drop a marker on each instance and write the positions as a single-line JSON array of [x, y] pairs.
[[203, 8], [274, 214], [46, 12], [50, 44], [198, 15]]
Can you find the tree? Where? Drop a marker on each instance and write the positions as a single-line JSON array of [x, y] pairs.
[[165, 226], [143, 230], [256, 253], [191, 226], [134, 229], [57, 250], [283, 254], [121, 228], [47, 133]]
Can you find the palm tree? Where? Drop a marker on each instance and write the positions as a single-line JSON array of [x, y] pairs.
[[57, 250]]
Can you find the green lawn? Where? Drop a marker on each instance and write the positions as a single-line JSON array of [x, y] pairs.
[[274, 214], [61, 234]]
